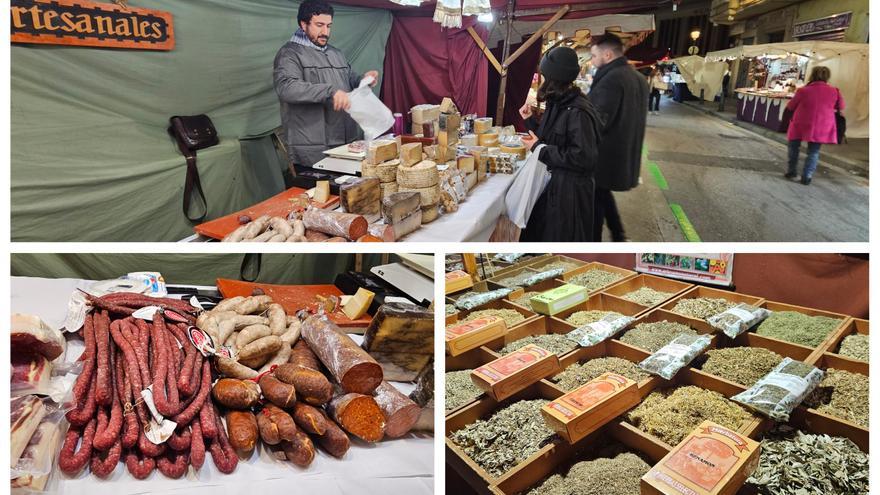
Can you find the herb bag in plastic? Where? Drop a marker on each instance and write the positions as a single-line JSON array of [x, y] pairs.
[[675, 355], [599, 331], [738, 319], [783, 389], [471, 301]]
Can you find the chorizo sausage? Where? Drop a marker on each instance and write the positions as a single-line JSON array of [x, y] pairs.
[[350, 365], [140, 466], [197, 446], [309, 418], [102, 363], [187, 415], [71, 461], [104, 463], [242, 430], [173, 464], [277, 392]]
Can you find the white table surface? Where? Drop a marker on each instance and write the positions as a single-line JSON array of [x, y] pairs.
[[400, 466]]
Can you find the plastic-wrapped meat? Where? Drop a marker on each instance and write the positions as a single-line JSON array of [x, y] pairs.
[[30, 334], [30, 373], [400, 411], [350, 365], [25, 415]]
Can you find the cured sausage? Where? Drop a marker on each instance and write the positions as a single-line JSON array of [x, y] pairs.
[[350, 365], [401, 413]]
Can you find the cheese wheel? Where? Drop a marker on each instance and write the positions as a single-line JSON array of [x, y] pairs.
[[429, 195], [430, 214], [519, 151], [483, 124], [385, 171], [489, 139], [422, 174], [387, 188]]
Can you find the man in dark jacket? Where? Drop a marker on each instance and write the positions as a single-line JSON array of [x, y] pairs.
[[621, 95], [313, 80]]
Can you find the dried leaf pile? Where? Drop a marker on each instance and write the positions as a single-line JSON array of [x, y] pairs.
[[524, 300], [797, 328], [580, 373], [557, 343], [516, 280], [565, 265], [510, 316], [581, 318], [646, 296], [652, 336], [806, 464], [743, 365], [507, 438], [603, 476], [855, 346], [843, 395], [450, 309], [595, 279], [702, 307], [460, 389], [673, 413]]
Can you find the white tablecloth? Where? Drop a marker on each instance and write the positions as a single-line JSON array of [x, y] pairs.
[[475, 219], [401, 466]]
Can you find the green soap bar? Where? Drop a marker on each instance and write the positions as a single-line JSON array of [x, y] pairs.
[[559, 299]]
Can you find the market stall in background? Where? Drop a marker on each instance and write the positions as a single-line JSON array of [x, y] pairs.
[[655, 373], [255, 372]]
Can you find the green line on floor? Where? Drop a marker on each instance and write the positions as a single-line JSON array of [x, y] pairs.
[[644, 150], [655, 172], [687, 228]]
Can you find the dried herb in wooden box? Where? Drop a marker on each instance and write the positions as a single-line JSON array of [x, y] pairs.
[[855, 346], [563, 265], [460, 389], [595, 279], [673, 413], [702, 307], [647, 296], [510, 316], [556, 343], [578, 374], [450, 309], [798, 463], [507, 438], [797, 328], [653, 336], [581, 318], [783, 389], [470, 300], [524, 299], [604, 476], [742, 365], [599, 331], [738, 319], [843, 395], [675, 355]]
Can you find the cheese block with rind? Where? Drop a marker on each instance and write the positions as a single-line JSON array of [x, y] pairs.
[[410, 154], [387, 188], [400, 205], [362, 196], [408, 224], [381, 151], [423, 174], [430, 214]]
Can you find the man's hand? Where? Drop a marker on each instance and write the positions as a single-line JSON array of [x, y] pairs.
[[375, 75], [340, 101], [530, 140], [525, 111]]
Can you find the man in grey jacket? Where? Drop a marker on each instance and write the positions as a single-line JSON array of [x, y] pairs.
[[313, 80]]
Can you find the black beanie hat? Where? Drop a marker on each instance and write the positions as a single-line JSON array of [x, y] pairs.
[[560, 64]]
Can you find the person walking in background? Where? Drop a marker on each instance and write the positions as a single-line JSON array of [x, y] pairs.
[[620, 94], [569, 129], [656, 86], [813, 120]]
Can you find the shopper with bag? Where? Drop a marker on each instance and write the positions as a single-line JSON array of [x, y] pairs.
[[816, 108], [569, 131], [313, 81], [657, 86]]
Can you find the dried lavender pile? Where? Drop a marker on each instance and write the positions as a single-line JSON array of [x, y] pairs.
[[460, 389], [646, 296], [702, 307], [595, 279], [510, 316], [509, 437], [855, 346], [843, 395], [581, 318], [797, 328], [673, 413], [524, 300], [617, 476], [743, 365], [578, 374], [804, 464], [556, 343], [653, 336]]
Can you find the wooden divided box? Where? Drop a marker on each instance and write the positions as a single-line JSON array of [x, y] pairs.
[[672, 287], [542, 264], [533, 324], [699, 291], [855, 326], [469, 361], [595, 265], [596, 302], [819, 349]]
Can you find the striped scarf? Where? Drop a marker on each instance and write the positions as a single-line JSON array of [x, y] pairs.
[[300, 38]]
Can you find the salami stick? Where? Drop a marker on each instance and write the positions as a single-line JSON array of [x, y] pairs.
[[352, 367], [131, 425], [102, 347], [103, 464], [173, 464], [197, 446], [132, 372], [160, 351], [106, 437], [85, 412], [208, 420], [180, 440], [70, 460], [222, 453], [139, 466], [139, 348], [185, 417], [81, 387], [149, 448]]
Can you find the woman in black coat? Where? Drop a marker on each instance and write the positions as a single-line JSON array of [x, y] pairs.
[[569, 129]]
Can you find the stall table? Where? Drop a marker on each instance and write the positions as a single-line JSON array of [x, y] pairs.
[[404, 465], [766, 109]]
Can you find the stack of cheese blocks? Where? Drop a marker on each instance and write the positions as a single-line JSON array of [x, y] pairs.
[[484, 138], [447, 134], [423, 115], [382, 162], [418, 175]]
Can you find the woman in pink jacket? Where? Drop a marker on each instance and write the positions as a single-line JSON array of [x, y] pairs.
[[813, 120]]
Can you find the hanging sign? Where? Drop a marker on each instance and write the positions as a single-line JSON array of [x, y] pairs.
[[826, 24], [83, 23], [710, 268]]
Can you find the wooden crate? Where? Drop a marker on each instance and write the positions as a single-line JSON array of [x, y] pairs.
[[477, 477], [598, 302], [855, 325], [541, 263], [659, 315], [493, 281], [508, 267], [700, 291], [819, 349], [468, 361], [674, 287], [533, 323], [595, 265]]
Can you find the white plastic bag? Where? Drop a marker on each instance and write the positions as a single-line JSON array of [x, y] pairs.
[[528, 184], [368, 111]]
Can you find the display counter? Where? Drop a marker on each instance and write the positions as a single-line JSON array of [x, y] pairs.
[[764, 108]]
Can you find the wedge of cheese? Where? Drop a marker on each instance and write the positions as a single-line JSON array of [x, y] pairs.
[[361, 196], [385, 171], [466, 163], [381, 151], [399, 205], [410, 154], [448, 106], [359, 303], [430, 214], [408, 224]]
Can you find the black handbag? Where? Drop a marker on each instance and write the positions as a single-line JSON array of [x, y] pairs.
[[193, 133], [841, 122]]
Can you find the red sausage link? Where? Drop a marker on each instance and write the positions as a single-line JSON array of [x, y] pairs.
[[81, 387], [106, 437], [222, 453], [197, 446], [185, 417], [208, 420], [139, 466], [109, 306], [141, 300], [88, 335], [160, 351], [132, 373], [104, 463], [149, 448], [85, 412], [102, 345], [141, 347], [173, 464], [180, 440], [171, 377], [192, 377], [70, 460]]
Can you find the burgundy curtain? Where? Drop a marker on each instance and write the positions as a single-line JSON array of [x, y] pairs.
[[424, 63], [519, 80]]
